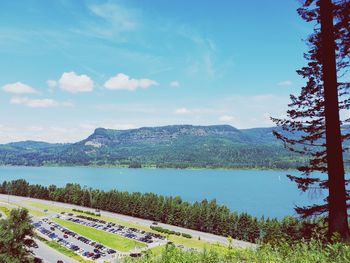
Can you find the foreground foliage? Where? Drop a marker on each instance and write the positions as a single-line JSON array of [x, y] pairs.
[[306, 252], [16, 237]]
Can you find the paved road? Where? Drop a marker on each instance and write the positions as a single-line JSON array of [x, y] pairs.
[[49, 255], [196, 234]]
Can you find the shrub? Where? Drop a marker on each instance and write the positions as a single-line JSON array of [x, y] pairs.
[[85, 212], [186, 235], [169, 232]]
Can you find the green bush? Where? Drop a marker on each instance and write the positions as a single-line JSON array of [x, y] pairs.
[[169, 232], [85, 212], [186, 235]]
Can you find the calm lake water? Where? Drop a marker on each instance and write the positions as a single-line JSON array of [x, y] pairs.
[[268, 193]]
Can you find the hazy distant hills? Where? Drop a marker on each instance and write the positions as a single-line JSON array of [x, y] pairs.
[[177, 146]]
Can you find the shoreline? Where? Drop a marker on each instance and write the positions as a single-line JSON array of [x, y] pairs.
[[153, 168]]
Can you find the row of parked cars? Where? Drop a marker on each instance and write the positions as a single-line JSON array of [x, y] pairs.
[[132, 233], [98, 249]]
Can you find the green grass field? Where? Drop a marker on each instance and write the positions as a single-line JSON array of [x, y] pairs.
[[108, 239]]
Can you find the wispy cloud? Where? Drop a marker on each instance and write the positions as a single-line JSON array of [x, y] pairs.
[[205, 52], [226, 118], [39, 103], [285, 83], [115, 19], [51, 83], [174, 84], [182, 111]]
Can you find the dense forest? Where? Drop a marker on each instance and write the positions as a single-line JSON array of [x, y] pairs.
[[177, 146], [207, 216]]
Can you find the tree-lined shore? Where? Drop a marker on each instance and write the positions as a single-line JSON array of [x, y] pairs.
[[206, 216]]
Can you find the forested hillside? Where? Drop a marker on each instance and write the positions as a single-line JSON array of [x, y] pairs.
[[177, 146]]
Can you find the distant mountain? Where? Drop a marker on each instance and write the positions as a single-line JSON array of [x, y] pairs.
[[177, 146], [33, 145]]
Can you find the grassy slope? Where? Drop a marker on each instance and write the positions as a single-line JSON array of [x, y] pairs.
[[108, 239]]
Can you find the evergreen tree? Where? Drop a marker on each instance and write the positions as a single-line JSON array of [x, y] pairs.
[[313, 125], [16, 237]]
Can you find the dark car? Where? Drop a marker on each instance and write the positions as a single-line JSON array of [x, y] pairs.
[[135, 255], [111, 251]]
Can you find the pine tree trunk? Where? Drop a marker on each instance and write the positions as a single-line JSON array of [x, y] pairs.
[[337, 219]]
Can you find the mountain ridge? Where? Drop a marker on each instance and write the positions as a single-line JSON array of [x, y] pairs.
[[176, 146]]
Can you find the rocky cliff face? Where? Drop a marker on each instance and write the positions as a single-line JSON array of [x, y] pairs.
[[163, 134]]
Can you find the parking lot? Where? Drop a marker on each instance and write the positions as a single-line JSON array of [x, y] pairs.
[[132, 233], [83, 246]]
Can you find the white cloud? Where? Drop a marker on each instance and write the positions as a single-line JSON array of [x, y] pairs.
[[182, 111], [226, 118], [174, 84], [74, 83], [124, 82], [18, 88], [38, 103], [285, 83], [51, 83]]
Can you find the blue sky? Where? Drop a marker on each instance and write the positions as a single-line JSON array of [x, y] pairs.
[[68, 66]]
